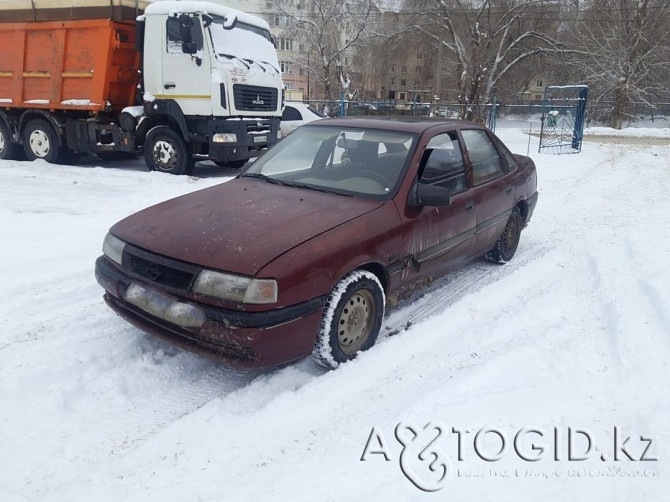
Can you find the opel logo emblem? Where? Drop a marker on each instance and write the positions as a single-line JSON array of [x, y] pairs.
[[153, 271]]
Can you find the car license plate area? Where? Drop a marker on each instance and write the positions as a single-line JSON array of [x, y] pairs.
[[164, 307], [260, 139]]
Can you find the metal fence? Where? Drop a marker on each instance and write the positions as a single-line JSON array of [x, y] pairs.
[[517, 125]]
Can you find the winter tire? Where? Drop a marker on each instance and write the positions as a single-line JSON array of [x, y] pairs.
[[506, 245], [352, 319], [41, 142], [166, 151]]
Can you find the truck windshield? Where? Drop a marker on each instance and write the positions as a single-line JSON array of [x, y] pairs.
[[243, 41], [368, 163]]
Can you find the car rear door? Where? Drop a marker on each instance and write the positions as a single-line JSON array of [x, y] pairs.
[[493, 188]]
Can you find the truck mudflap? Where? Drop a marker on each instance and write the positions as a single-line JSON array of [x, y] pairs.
[[241, 138]]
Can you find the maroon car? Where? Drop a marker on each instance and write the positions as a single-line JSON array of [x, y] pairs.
[[300, 253]]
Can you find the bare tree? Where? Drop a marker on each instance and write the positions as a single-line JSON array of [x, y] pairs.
[[329, 31], [624, 54], [486, 41]]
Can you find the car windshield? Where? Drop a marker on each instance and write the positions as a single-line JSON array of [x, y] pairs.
[[349, 161]]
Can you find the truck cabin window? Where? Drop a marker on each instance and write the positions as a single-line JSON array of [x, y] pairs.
[[175, 41]]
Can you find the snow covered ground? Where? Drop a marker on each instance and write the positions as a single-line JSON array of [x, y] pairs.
[[572, 337]]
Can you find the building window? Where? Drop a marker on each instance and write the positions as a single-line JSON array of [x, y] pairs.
[[403, 83], [419, 56], [404, 69], [402, 95], [418, 69], [285, 67], [280, 20], [539, 83], [392, 68], [285, 44], [393, 81]]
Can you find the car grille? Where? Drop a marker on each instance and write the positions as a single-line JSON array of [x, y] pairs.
[[160, 273], [254, 98]]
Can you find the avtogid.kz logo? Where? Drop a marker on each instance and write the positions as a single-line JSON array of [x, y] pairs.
[[424, 462]]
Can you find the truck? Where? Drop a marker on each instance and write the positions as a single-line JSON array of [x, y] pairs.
[[184, 81]]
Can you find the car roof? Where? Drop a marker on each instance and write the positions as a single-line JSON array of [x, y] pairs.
[[406, 123]]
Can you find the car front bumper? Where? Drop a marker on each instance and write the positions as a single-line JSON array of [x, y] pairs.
[[237, 338]]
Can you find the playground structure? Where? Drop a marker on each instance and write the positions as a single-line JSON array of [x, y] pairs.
[[563, 115]]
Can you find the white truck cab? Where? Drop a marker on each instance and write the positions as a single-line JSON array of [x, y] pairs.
[[212, 85]]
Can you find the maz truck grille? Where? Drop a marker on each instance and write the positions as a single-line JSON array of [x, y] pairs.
[[254, 98]]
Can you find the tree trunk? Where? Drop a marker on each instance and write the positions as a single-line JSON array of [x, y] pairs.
[[619, 106]]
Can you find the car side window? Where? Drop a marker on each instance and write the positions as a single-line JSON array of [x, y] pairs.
[[444, 164], [507, 155], [484, 156], [291, 113]]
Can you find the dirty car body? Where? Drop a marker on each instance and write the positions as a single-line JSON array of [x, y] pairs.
[[300, 254]]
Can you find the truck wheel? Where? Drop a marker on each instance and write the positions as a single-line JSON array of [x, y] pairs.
[[40, 141], [166, 151], [8, 150], [506, 245], [351, 319]]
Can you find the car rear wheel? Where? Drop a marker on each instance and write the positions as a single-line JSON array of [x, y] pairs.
[[166, 151], [352, 319], [506, 245]]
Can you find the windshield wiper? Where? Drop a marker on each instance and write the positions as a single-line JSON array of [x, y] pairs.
[[316, 188], [230, 56], [266, 178]]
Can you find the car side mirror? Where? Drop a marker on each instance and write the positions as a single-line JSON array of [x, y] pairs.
[[430, 195]]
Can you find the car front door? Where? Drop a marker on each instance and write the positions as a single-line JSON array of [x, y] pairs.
[[437, 237], [492, 192]]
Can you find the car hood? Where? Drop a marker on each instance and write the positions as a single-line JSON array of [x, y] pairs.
[[238, 226]]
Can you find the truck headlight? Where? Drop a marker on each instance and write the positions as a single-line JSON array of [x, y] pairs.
[[112, 248], [235, 288], [224, 137]]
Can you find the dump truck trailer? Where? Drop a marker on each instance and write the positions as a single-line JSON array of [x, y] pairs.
[[185, 81]]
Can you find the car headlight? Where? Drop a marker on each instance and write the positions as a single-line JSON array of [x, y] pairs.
[[112, 248], [235, 288]]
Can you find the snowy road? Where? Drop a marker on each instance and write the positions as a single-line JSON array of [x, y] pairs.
[[573, 333]]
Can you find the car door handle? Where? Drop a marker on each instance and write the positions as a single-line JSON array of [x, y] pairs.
[[169, 86], [508, 189], [470, 205]]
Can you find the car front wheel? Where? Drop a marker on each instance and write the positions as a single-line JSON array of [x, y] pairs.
[[506, 245], [352, 319]]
